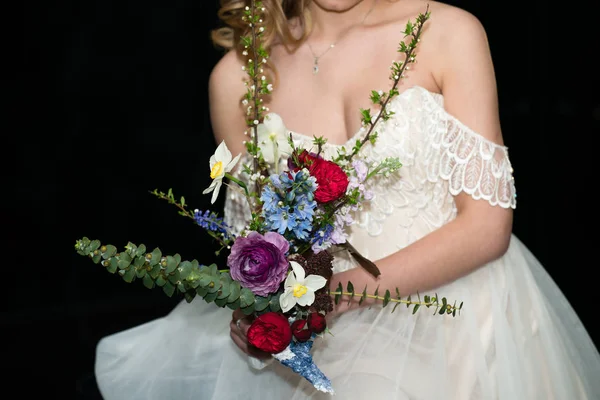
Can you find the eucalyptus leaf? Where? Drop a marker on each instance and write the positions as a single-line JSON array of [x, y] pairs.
[[169, 289], [112, 268], [171, 264], [274, 304], [224, 290], [94, 245], [234, 292], [386, 298], [189, 296], [248, 310], [214, 286], [123, 264], [185, 269], [124, 256], [148, 281], [205, 279], [174, 277], [155, 271], [160, 281], [201, 291], [338, 294], [131, 249], [139, 262], [110, 251], [156, 255], [141, 250], [221, 302], [261, 303], [210, 297], [234, 305], [246, 298], [129, 275]]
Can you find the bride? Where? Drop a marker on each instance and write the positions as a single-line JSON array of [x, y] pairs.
[[445, 226]]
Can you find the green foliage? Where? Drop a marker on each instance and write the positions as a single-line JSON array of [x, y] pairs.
[[175, 276], [440, 306]]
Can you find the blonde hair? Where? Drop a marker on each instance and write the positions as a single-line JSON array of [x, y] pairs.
[[277, 17]]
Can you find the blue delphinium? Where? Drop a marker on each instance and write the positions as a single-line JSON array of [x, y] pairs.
[[322, 238], [210, 221], [289, 203]]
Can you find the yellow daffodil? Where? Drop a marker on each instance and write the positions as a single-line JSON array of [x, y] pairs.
[[299, 289], [221, 163]]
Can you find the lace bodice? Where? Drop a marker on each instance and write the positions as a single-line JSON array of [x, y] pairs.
[[440, 156]]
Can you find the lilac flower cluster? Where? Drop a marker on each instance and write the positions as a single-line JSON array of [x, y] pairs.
[[357, 181]]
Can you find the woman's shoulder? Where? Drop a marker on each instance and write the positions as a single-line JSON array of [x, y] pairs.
[[443, 12], [226, 79], [446, 23], [227, 69], [450, 32]]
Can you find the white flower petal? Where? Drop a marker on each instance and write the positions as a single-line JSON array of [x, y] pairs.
[[290, 281], [212, 161], [314, 282], [287, 301], [307, 299], [232, 163], [284, 146], [209, 189], [298, 271], [274, 124], [262, 131], [216, 191], [222, 153], [268, 151]]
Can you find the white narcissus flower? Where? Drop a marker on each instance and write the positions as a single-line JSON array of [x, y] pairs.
[[220, 163], [299, 289], [272, 138]]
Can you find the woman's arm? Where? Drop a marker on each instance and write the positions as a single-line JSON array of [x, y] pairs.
[[481, 232]]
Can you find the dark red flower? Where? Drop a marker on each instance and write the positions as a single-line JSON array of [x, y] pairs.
[[300, 330], [316, 322], [332, 181], [270, 332]]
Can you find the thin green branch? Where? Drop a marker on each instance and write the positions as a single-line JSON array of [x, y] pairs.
[[398, 69]]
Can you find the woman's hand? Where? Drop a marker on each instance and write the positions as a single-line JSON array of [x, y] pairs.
[[238, 331]]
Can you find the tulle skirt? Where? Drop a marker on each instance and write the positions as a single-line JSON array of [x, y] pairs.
[[517, 338]]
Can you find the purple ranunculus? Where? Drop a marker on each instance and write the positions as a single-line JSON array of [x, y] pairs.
[[259, 262]]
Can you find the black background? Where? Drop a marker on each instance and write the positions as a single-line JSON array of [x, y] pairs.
[[108, 100]]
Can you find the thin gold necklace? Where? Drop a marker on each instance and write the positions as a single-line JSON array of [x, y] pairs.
[[316, 58]]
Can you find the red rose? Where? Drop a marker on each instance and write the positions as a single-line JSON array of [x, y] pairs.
[[300, 331], [332, 181], [270, 332], [316, 322]]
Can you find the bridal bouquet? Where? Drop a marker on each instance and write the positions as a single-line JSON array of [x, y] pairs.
[[279, 267]]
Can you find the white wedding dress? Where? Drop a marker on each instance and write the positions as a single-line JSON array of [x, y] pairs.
[[517, 337]]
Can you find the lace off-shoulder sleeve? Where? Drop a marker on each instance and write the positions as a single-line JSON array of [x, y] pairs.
[[471, 163]]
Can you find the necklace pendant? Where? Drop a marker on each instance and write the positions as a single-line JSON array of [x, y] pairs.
[[316, 66]]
